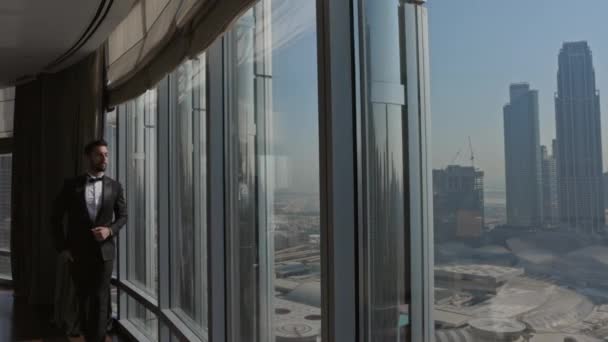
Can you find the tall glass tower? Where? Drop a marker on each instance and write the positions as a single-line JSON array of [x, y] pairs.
[[523, 157], [579, 141]]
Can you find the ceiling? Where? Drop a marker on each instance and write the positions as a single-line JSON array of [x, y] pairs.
[[45, 36]]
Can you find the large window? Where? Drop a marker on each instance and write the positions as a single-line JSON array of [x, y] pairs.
[[277, 183], [520, 189], [141, 185], [7, 109], [188, 197], [273, 187], [6, 172]]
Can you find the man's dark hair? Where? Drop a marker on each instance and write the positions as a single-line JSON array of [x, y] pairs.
[[94, 144]]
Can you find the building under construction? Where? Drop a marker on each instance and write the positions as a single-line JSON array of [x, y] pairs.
[[458, 202]]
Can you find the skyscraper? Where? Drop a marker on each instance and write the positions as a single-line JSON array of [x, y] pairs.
[[458, 202], [523, 157], [579, 141], [549, 186]]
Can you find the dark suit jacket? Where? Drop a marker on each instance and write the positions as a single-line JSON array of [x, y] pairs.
[[79, 240]]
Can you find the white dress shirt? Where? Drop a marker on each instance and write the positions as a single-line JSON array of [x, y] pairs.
[[93, 196]]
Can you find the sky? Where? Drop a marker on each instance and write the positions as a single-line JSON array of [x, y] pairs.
[[479, 47], [295, 93]]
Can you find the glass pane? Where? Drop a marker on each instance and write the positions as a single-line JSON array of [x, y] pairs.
[[141, 192], [114, 302], [7, 94], [6, 173], [5, 266], [188, 198], [111, 137], [7, 110], [274, 263], [176, 338], [143, 319], [519, 191], [387, 265]]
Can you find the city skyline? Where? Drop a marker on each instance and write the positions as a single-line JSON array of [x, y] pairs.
[[468, 76], [461, 157], [539, 264], [576, 151]]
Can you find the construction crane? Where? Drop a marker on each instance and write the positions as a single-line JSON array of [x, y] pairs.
[[455, 157], [472, 155], [472, 158]]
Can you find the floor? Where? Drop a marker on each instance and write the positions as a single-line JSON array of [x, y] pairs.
[[20, 322]]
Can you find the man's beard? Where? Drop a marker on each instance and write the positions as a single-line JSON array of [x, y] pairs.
[[99, 168]]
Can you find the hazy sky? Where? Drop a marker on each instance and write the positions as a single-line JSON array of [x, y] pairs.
[[294, 91], [479, 47]]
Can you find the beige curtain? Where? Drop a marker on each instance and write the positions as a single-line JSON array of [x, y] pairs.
[[139, 37], [188, 9], [158, 35]]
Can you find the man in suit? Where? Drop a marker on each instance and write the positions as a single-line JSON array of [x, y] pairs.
[[96, 209]]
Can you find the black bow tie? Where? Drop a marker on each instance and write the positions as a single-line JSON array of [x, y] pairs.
[[94, 180]]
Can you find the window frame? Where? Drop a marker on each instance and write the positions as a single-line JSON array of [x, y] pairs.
[[338, 156]]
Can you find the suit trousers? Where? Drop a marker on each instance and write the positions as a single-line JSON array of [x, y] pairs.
[[92, 281]]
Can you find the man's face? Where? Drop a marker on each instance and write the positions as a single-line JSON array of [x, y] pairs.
[[99, 158]]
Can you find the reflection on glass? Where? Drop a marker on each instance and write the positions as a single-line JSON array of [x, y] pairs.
[[5, 266], [7, 111], [114, 302], [274, 181], [111, 137], [188, 198], [387, 235], [6, 173], [141, 192], [175, 338], [143, 319]]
